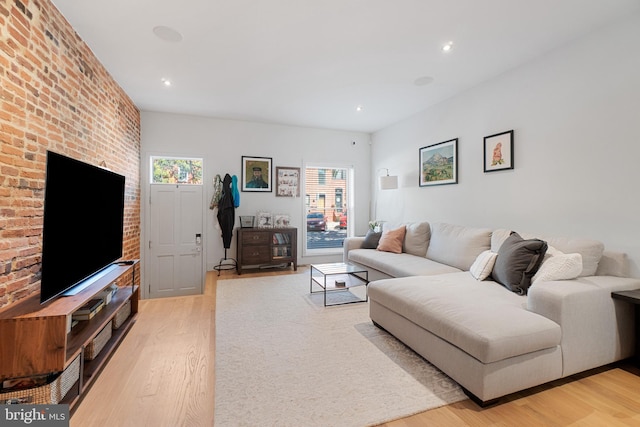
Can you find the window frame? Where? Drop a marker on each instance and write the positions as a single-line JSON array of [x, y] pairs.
[[154, 158], [347, 205]]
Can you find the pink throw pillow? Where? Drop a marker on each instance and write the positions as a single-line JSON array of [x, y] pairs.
[[391, 240]]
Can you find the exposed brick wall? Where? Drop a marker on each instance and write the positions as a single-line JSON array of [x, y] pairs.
[[54, 95]]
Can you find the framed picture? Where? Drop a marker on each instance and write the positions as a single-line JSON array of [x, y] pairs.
[[498, 151], [281, 221], [439, 163], [287, 182], [265, 220], [256, 174]]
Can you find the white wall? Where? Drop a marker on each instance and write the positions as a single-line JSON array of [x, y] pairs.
[[576, 116], [222, 143]]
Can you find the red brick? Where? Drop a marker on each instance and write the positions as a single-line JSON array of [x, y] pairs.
[[55, 95], [7, 170]]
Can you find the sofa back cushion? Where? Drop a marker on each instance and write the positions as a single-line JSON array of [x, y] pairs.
[[456, 245], [590, 250], [613, 264], [416, 238]]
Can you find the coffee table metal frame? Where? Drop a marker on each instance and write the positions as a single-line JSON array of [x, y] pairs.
[[324, 271]]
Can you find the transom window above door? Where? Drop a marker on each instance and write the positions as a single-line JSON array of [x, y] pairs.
[[175, 170]]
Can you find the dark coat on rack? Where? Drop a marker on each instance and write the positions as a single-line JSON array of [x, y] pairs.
[[226, 212]]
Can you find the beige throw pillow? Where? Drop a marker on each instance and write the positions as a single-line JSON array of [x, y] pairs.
[[558, 266], [483, 265]]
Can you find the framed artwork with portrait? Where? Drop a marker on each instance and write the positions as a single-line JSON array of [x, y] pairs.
[[257, 174]]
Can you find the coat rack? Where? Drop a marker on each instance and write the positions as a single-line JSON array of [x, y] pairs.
[[226, 219]]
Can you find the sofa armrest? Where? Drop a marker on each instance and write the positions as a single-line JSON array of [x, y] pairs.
[[349, 244], [596, 329]]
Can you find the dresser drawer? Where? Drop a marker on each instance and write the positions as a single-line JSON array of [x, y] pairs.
[[252, 255], [256, 238]]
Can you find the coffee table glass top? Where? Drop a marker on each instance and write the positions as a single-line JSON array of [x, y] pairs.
[[338, 268]]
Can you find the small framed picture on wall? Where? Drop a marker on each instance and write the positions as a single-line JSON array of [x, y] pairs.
[[256, 174], [498, 151], [287, 181]]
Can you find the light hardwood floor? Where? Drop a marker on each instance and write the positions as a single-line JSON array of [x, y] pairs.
[[163, 375]]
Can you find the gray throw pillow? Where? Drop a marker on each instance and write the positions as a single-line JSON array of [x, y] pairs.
[[518, 260], [371, 240]]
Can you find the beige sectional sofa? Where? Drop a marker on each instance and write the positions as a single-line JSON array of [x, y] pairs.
[[490, 340]]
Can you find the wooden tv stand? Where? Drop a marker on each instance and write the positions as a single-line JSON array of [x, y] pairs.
[[34, 338]]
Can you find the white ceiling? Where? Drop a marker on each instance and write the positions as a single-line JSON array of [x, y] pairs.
[[311, 62]]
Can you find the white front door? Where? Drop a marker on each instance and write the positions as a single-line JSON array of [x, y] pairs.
[[175, 243]]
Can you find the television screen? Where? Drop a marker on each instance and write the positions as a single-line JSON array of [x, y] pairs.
[[83, 222]]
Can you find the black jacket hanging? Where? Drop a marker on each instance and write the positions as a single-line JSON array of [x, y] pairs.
[[226, 212]]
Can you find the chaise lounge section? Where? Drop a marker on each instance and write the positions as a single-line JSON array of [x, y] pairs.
[[489, 339]]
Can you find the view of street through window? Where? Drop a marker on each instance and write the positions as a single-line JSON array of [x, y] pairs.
[[326, 206]]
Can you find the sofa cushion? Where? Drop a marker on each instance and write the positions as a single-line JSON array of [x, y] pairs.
[[457, 245], [391, 240], [613, 263], [371, 240], [483, 265], [518, 260], [482, 318], [398, 265], [590, 250], [416, 239]]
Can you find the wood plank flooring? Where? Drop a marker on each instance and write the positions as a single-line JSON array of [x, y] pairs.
[[163, 375]]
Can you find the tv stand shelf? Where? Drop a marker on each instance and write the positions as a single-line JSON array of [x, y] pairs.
[[34, 338]]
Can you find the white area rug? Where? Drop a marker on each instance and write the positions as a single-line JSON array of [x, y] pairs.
[[283, 359]]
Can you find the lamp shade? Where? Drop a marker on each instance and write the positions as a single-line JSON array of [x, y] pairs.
[[388, 182]]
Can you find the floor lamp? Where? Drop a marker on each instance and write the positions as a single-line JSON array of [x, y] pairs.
[[388, 182], [385, 182]]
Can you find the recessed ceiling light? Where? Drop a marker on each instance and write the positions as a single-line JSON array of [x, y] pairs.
[[423, 81], [167, 34], [359, 108], [166, 82], [447, 47]]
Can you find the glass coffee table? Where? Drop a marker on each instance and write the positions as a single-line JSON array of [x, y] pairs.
[[339, 277]]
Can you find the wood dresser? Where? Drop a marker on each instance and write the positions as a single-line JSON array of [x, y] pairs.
[[267, 247]]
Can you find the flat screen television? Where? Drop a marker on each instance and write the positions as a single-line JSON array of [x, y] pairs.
[[83, 223]]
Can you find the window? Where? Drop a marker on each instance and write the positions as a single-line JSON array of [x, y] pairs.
[[322, 176], [172, 170], [327, 197]]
